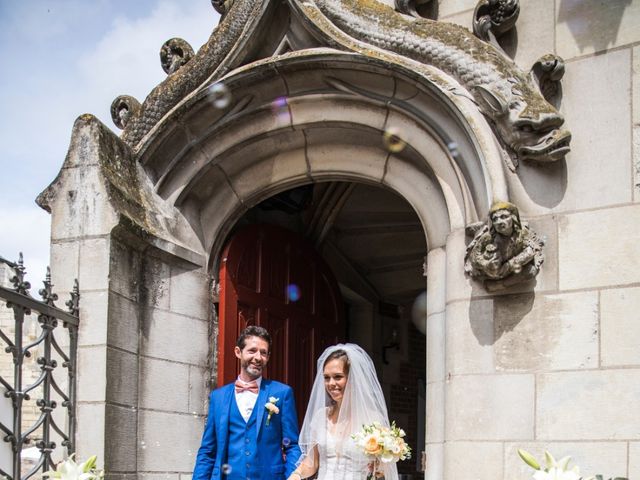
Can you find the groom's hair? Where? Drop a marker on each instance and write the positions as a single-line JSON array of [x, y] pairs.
[[253, 331]]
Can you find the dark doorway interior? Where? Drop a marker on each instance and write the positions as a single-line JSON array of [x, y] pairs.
[[273, 277], [373, 243]]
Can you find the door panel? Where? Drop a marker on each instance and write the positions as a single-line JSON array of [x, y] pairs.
[[259, 264]]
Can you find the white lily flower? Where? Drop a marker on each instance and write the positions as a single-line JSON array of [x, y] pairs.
[[70, 470], [555, 473]]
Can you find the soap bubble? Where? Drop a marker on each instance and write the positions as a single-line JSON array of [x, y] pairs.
[[226, 469], [453, 149], [392, 140], [419, 312], [293, 292], [280, 108], [220, 95]]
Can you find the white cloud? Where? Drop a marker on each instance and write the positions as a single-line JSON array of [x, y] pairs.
[[26, 230], [127, 59], [59, 71]]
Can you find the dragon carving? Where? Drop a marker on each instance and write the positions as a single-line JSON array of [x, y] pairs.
[[525, 122], [528, 125]]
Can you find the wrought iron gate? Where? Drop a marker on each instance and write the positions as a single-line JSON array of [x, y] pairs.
[[40, 340]]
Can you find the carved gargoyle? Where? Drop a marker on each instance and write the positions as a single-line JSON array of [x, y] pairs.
[[504, 250], [528, 126]]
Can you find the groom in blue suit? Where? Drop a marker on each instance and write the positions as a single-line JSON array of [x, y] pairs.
[[252, 422]]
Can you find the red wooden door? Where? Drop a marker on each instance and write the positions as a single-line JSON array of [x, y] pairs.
[[272, 277]]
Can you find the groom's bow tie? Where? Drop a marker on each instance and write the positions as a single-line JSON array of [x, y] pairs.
[[242, 386]]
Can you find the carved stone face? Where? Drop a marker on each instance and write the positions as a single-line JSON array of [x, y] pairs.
[[503, 222], [532, 132]]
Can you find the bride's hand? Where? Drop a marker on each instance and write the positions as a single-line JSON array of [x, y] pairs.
[[371, 466]]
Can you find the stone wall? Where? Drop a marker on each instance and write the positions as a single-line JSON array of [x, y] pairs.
[[143, 366], [557, 366], [173, 373], [147, 377]]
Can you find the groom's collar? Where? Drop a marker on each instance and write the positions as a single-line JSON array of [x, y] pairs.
[[258, 380]]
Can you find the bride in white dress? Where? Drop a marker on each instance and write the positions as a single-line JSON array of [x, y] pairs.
[[346, 395]]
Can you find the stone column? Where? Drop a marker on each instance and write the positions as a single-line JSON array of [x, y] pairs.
[[436, 276], [81, 247], [144, 310]]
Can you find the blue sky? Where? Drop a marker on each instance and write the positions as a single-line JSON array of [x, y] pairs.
[[61, 59]]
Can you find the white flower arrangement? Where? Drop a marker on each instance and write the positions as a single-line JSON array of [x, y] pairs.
[[382, 444], [555, 469], [271, 408], [70, 470]]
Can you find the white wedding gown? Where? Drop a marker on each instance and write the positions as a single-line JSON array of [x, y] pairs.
[[339, 457]]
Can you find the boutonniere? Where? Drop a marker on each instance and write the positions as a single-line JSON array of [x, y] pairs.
[[271, 408]]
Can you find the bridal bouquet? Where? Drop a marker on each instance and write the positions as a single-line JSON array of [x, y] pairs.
[[382, 444]]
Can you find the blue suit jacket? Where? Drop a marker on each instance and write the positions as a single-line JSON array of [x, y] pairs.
[[268, 438]]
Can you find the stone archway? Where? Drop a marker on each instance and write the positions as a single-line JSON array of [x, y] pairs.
[[321, 116], [333, 110], [157, 233]]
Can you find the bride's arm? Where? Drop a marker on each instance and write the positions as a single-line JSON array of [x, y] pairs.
[[307, 468]]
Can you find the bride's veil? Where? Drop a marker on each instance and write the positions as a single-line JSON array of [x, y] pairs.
[[362, 404]]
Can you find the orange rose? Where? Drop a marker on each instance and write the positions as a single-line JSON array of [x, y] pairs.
[[371, 446]]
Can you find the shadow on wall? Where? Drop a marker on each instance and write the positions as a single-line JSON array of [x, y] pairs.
[[486, 325], [509, 310], [583, 17], [546, 184]]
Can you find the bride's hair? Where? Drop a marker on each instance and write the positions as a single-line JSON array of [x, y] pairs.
[[362, 403], [339, 355]]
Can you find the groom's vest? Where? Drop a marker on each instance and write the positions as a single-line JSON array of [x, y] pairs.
[[242, 455]]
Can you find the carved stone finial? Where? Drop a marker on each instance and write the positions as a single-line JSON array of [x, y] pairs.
[[494, 18], [122, 108], [174, 53], [504, 251], [222, 6], [547, 72]]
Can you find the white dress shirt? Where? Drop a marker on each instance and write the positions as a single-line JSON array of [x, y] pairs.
[[246, 400]]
